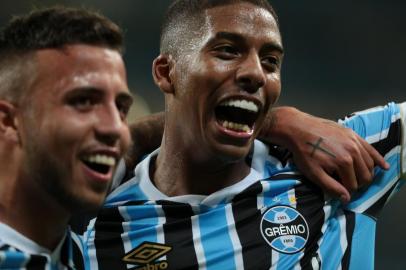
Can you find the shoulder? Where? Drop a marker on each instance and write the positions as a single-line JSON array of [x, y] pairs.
[[137, 187], [271, 160], [373, 124]]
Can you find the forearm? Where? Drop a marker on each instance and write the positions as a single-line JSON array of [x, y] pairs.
[[322, 148], [146, 134], [279, 126]]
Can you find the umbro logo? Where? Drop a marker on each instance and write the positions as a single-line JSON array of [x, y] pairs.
[[145, 256]]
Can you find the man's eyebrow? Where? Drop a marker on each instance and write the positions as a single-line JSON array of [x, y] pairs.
[[124, 95], [84, 90], [273, 47], [240, 39], [229, 35]]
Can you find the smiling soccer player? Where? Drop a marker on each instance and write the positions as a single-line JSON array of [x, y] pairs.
[[63, 102], [214, 197]]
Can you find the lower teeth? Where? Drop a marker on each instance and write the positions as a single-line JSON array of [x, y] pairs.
[[236, 126]]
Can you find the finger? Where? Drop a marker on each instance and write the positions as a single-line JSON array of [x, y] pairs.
[[365, 156], [330, 185], [335, 188], [363, 166], [378, 159], [346, 173]]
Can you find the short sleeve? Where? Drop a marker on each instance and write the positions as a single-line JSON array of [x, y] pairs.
[[383, 128]]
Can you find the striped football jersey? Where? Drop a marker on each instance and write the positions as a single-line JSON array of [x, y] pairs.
[[19, 252], [272, 219]]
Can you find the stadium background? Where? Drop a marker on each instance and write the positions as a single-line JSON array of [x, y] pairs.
[[341, 56]]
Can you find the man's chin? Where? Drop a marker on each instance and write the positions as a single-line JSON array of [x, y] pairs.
[[85, 205], [83, 201], [231, 152]]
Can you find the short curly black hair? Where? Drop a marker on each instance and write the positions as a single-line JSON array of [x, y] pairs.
[[184, 18]]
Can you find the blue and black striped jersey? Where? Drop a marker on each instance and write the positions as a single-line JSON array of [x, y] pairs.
[[19, 252], [272, 219]]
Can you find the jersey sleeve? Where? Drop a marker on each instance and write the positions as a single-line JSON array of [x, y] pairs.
[[402, 107], [382, 127]]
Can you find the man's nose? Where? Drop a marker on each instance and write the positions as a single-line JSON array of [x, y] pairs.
[[109, 126], [250, 75]]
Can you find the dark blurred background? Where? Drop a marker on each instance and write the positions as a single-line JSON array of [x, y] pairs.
[[341, 56]]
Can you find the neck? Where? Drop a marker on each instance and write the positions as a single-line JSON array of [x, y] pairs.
[[177, 171], [29, 210]]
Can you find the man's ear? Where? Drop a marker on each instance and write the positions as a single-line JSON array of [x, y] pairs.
[[8, 121], [162, 71]]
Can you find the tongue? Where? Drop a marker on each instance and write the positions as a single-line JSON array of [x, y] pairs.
[[100, 168]]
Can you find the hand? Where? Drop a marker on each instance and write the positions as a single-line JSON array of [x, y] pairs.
[[324, 150]]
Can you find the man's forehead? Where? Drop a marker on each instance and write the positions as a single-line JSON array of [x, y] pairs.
[[78, 66], [242, 17], [242, 12], [78, 59], [77, 52]]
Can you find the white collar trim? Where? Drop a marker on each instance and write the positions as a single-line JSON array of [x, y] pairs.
[[15, 239], [223, 195]]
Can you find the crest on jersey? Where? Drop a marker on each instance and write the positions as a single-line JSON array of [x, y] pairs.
[[284, 229]]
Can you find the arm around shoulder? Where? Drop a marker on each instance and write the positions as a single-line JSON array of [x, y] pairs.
[[322, 149]]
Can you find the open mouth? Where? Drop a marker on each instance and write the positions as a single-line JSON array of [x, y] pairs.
[[237, 115], [99, 163]]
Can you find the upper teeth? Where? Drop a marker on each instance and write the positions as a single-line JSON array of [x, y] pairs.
[[101, 159], [243, 104]]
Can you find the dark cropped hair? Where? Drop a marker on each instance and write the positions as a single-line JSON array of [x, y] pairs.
[[184, 18], [49, 28], [58, 26]]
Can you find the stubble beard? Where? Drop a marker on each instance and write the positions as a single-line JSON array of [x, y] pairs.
[[53, 177]]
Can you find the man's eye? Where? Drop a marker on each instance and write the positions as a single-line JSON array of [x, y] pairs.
[[123, 109], [82, 103], [270, 62], [123, 106], [226, 51]]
